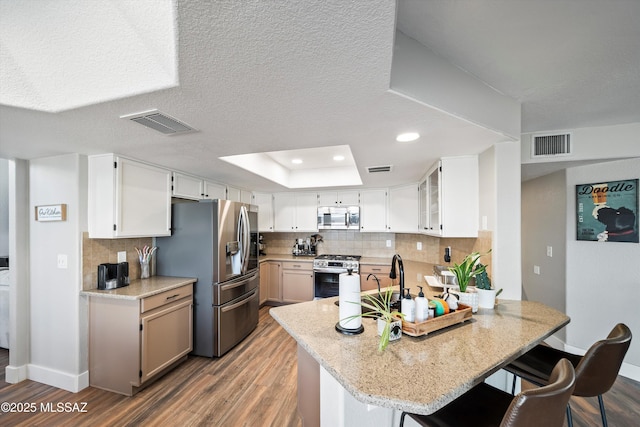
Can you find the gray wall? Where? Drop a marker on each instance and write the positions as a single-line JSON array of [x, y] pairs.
[[544, 224]]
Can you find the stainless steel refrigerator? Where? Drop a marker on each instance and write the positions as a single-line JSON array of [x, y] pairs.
[[217, 242]]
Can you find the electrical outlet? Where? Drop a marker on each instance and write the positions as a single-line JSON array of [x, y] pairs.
[[549, 251], [536, 269], [62, 261], [122, 256], [419, 246], [388, 243]]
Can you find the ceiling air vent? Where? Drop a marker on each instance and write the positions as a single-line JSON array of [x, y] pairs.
[[159, 121], [375, 169], [551, 145]]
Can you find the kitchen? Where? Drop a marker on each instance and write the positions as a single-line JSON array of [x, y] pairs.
[[54, 179]]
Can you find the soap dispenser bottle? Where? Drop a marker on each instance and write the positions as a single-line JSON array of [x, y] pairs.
[[408, 307], [422, 307]]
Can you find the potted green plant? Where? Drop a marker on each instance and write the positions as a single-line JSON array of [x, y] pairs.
[[464, 272], [389, 322], [486, 293]]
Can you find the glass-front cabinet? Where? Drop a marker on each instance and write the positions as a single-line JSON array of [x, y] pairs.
[[449, 200]]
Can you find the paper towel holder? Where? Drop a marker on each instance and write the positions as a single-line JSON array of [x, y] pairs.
[[349, 331]]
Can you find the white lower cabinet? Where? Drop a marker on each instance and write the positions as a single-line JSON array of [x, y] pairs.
[[132, 341]]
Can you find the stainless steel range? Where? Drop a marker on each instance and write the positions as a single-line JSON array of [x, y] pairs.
[[327, 270]]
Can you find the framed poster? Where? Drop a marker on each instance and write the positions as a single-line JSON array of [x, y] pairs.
[[607, 211]]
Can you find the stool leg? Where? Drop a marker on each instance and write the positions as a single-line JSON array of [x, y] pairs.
[[513, 385], [602, 412], [404, 414], [569, 417]]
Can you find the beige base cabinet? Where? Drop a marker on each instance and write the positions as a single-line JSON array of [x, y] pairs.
[[380, 271], [133, 341], [274, 286], [297, 282]]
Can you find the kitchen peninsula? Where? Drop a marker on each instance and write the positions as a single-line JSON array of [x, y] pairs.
[[358, 385]]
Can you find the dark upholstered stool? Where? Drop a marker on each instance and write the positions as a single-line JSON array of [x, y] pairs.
[[596, 371], [486, 406]]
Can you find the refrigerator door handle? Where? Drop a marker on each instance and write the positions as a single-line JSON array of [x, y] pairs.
[[240, 303], [237, 282]]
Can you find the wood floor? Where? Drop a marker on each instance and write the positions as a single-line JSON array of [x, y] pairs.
[[253, 385]]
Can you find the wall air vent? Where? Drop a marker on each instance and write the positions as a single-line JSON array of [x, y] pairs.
[[551, 145], [376, 169], [159, 121]]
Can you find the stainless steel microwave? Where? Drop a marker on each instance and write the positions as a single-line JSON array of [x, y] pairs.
[[339, 218]]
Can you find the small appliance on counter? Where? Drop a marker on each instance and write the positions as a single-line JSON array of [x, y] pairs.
[[112, 276], [261, 246]]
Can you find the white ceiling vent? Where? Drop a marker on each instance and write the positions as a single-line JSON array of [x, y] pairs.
[[375, 169], [551, 145], [159, 121]]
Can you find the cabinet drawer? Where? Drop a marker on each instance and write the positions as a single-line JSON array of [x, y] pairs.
[[167, 297], [380, 271], [292, 265]]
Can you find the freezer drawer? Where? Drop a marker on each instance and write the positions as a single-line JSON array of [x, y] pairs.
[[233, 289], [234, 321]]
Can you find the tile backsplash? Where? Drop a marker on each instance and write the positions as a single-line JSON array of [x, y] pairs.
[[99, 251], [375, 245]]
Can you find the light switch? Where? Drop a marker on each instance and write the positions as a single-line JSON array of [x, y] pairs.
[[62, 261], [388, 243], [549, 251], [536, 269], [419, 246]]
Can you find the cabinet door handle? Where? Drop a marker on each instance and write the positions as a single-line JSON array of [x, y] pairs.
[[172, 297]]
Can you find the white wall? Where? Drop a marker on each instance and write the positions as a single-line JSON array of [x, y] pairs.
[[544, 223], [58, 338], [603, 279], [4, 207]]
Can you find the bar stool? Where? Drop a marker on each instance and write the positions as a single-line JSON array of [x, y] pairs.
[[485, 406], [596, 371]]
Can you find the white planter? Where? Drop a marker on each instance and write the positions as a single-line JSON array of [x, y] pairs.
[[470, 298], [486, 298], [395, 329]]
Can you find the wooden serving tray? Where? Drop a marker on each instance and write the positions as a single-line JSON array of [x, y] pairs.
[[436, 323]]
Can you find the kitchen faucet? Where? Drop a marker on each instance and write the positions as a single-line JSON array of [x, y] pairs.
[[392, 273]]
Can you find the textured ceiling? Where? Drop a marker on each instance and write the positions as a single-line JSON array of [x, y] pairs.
[[257, 76]]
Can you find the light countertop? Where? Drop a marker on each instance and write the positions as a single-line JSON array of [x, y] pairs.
[[141, 288], [418, 374]]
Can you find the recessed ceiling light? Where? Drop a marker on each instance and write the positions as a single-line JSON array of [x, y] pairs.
[[338, 158], [407, 137], [296, 161]]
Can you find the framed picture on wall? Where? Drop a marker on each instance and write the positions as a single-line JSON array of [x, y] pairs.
[[607, 211]]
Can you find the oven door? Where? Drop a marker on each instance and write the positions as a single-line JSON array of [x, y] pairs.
[[326, 283]]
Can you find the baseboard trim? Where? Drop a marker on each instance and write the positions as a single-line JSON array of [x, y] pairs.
[[63, 380], [15, 374]]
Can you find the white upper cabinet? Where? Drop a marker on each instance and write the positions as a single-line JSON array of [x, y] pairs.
[[339, 198], [127, 198], [233, 194], [246, 197], [186, 186], [213, 190], [264, 201], [449, 199], [373, 210], [295, 212], [404, 209]]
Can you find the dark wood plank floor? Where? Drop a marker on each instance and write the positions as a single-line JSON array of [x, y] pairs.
[[253, 385]]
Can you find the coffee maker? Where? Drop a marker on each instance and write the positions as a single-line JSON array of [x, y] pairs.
[[112, 276]]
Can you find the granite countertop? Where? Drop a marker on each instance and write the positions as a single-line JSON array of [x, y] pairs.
[[418, 374], [141, 288]]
